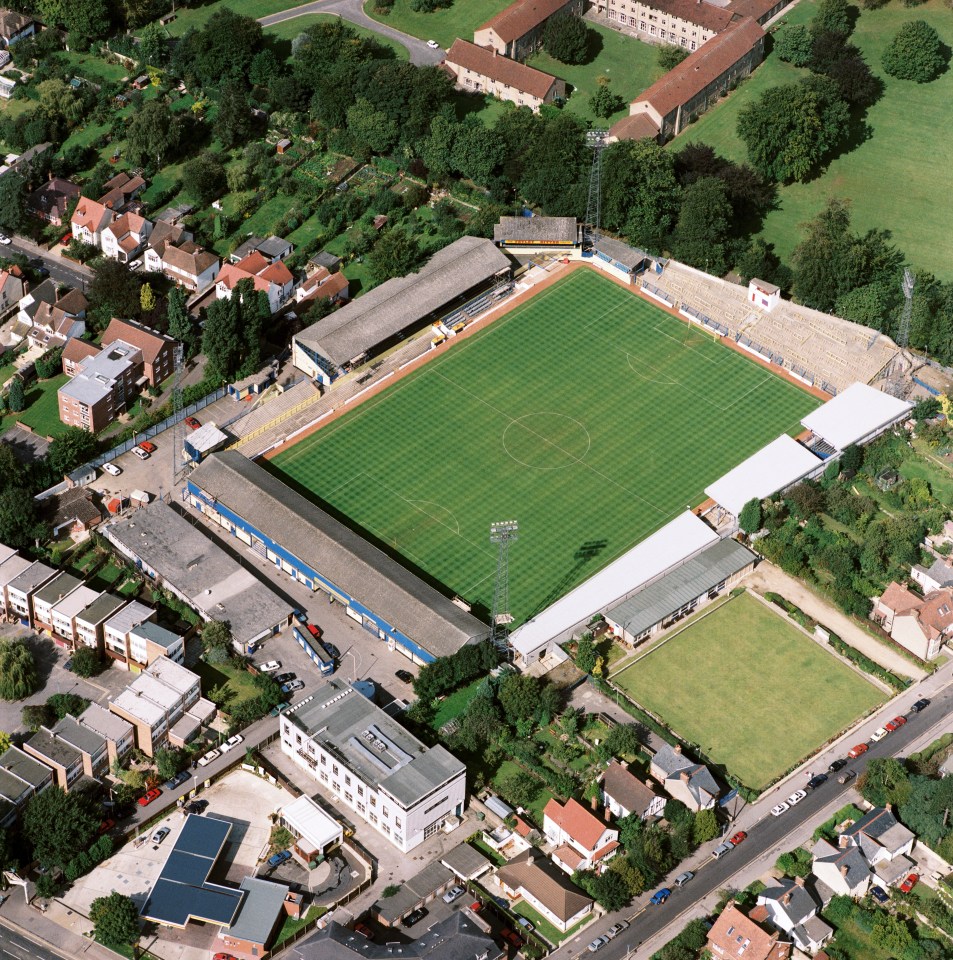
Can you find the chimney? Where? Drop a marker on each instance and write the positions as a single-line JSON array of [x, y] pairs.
[[684, 777], [799, 881], [786, 898], [844, 868], [594, 803], [677, 748]]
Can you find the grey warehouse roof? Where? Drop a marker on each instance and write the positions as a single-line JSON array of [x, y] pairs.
[[372, 744], [536, 229], [196, 566], [685, 583], [465, 861], [404, 301], [335, 551]]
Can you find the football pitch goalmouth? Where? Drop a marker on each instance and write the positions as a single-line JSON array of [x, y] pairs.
[[585, 413]]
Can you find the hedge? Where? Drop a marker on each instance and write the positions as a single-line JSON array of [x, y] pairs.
[[867, 665]]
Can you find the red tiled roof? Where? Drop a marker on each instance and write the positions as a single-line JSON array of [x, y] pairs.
[[148, 342], [253, 264], [464, 55], [575, 820], [936, 613], [638, 126], [90, 214], [899, 599], [519, 18], [76, 351], [733, 928], [277, 272], [569, 856], [700, 68], [606, 850]]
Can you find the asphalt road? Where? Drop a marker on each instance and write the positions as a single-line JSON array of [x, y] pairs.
[[771, 835], [62, 271], [17, 946]]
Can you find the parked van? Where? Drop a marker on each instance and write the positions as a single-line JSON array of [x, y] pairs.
[[721, 850]]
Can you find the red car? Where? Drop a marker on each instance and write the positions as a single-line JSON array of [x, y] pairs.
[[147, 798], [314, 631], [106, 826], [739, 837], [193, 423], [511, 937], [858, 750], [891, 725], [899, 721], [148, 446], [364, 930], [224, 956], [909, 883]]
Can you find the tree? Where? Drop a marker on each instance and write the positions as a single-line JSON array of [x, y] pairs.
[[609, 889], [705, 827], [833, 16], [604, 102], [586, 655], [624, 740], [630, 874], [85, 20], [793, 45], [795, 863], [519, 695], [791, 128], [86, 662], [113, 292], [18, 676], [566, 38], [915, 53], [147, 299], [4, 747], [750, 517], [845, 65], [13, 214], [217, 641], [57, 824], [61, 704], [180, 323], [116, 920], [233, 125], [701, 234], [169, 761], [670, 56], [72, 448], [153, 134], [204, 177], [519, 789], [154, 45], [19, 521], [16, 397], [371, 130], [885, 781], [395, 254]]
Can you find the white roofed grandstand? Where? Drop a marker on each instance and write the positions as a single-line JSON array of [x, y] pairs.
[[822, 350]]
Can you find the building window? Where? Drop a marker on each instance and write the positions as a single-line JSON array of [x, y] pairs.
[[386, 830], [337, 786], [373, 801], [385, 812], [397, 823], [349, 797], [433, 828], [360, 808], [324, 760], [360, 790], [347, 780], [324, 777], [373, 818], [334, 769]]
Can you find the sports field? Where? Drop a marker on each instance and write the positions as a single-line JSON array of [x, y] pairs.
[[749, 688], [587, 415]]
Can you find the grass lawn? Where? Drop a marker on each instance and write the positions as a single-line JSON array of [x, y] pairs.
[[510, 768], [907, 114], [444, 25], [42, 411], [487, 851], [241, 681], [289, 29], [199, 16], [89, 66], [263, 221], [585, 403], [290, 927], [630, 65], [455, 704], [729, 675], [543, 927], [927, 466]]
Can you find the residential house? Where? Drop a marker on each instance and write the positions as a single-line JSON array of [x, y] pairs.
[[938, 576], [118, 734], [517, 31], [272, 249], [735, 935], [792, 906], [11, 288], [22, 588], [89, 220], [15, 26], [582, 841], [75, 353], [845, 872], [104, 387], [158, 350], [148, 641], [680, 23], [51, 200], [545, 887], [11, 567], [667, 107], [125, 238], [30, 304], [919, 624], [117, 628], [183, 262], [271, 278], [62, 758], [683, 779], [91, 745], [885, 843], [22, 777], [163, 703], [90, 623], [121, 192], [320, 285], [75, 513], [55, 324], [623, 793], [47, 596], [64, 613]]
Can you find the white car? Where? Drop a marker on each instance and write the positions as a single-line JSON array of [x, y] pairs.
[[4, 239], [135, 265], [160, 835], [140, 453], [209, 757], [598, 943], [231, 742], [796, 797], [779, 809], [270, 667], [111, 469], [454, 893], [878, 735], [433, 44]]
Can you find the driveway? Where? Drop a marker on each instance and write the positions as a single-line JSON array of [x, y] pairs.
[[353, 11]]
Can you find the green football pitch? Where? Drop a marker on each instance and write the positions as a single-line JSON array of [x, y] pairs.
[[585, 414]]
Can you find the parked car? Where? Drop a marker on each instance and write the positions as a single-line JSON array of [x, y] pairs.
[[838, 764], [512, 937], [857, 751], [209, 757], [817, 781], [683, 878], [279, 708], [4, 239], [617, 928], [899, 721], [525, 924], [405, 676], [660, 896], [847, 776], [270, 667], [912, 880], [878, 735], [454, 893], [430, 43], [415, 916], [231, 742], [160, 835], [598, 943], [112, 469], [106, 825], [285, 677], [177, 780], [721, 850], [148, 446], [277, 859], [776, 811], [291, 687], [300, 616], [879, 894], [135, 265], [333, 650], [739, 837], [140, 453], [364, 930], [149, 796], [68, 665], [224, 956], [192, 423], [920, 705], [796, 798], [196, 806]]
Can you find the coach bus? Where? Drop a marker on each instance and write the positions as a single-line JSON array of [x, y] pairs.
[[313, 647]]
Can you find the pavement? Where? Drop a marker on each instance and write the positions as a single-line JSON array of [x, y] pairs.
[[353, 11], [62, 271]]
